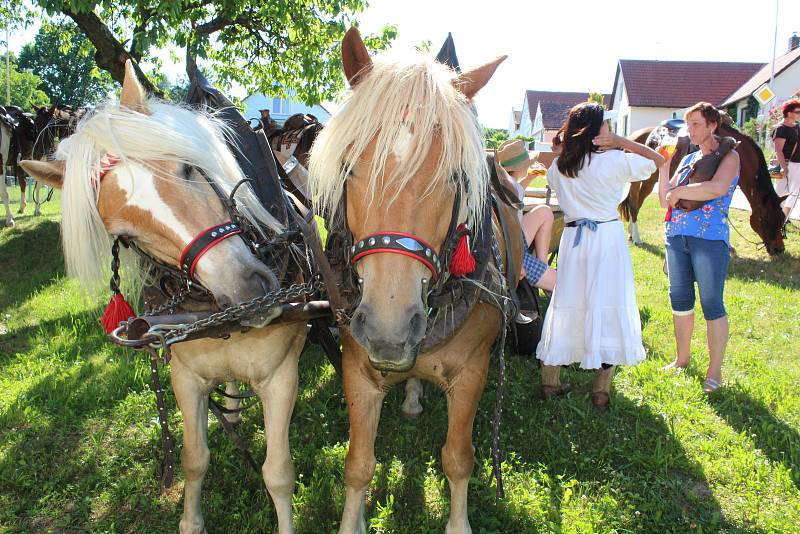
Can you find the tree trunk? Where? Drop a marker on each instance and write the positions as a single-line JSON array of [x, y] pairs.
[[110, 55]]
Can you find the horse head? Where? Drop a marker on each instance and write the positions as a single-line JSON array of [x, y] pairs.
[[766, 217], [142, 170], [397, 157]]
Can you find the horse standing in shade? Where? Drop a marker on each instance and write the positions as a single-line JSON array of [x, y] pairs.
[[136, 170], [400, 163], [7, 124], [766, 217]]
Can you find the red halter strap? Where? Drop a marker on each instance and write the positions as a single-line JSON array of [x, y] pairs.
[[398, 243], [204, 241]]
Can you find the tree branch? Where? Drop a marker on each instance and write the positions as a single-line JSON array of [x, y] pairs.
[[111, 54]]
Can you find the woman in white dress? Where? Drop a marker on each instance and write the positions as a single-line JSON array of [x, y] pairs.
[[593, 318]]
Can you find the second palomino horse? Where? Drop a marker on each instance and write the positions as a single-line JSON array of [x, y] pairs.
[[140, 170], [400, 174]]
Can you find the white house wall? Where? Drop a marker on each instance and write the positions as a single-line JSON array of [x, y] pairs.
[[525, 126], [256, 102], [644, 117]]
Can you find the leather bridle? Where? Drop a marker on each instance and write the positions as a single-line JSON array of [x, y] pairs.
[[205, 240]]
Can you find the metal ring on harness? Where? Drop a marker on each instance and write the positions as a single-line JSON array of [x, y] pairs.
[[398, 243]]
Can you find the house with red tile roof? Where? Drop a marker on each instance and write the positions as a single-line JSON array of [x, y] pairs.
[[543, 113], [647, 92], [785, 85]]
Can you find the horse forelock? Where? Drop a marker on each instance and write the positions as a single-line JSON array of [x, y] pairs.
[[401, 106], [169, 134]]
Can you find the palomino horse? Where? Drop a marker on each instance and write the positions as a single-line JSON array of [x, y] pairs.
[[296, 138], [136, 170], [398, 165], [766, 217]]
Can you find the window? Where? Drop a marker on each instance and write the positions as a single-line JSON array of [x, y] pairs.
[[625, 125], [276, 105], [674, 114]]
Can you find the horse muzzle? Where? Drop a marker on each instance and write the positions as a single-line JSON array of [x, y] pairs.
[[391, 347]]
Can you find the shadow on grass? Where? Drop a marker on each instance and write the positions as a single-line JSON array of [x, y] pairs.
[[781, 271], [779, 442], [31, 259]]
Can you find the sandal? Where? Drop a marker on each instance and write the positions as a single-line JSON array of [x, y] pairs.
[[710, 386]]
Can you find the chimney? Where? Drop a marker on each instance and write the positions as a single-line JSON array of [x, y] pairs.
[[794, 41]]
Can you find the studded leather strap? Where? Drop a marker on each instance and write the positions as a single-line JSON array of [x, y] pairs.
[[203, 242], [398, 243]]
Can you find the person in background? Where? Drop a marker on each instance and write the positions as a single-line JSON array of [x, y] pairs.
[[593, 318], [698, 243], [537, 224], [786, 138]]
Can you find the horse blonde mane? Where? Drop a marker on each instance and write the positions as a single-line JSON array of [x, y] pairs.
[[169, 133], [390, 100]]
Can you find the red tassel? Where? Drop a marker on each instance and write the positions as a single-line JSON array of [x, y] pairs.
[[463, 261], [118, 310], [668, 216]]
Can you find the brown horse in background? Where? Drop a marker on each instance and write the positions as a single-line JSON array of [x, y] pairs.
[[766, 218]]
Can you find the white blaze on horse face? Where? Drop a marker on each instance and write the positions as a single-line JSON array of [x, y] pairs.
[[139, 185], [403, 144]]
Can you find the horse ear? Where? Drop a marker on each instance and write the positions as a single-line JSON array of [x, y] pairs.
[[47, 172], [132, 95], [472, 81], [355, 57], [783, 198]]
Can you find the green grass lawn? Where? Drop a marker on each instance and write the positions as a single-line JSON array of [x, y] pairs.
[[79, 440]]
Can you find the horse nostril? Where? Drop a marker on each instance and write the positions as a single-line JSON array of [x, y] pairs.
[[224, 301], [416, 330], [358, 323]]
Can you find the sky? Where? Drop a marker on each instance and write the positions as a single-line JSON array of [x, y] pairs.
[[574, 45]]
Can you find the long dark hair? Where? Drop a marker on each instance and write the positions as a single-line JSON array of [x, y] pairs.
[[581, 127]]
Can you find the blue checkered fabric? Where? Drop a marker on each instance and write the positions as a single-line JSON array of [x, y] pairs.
[[534, 267]]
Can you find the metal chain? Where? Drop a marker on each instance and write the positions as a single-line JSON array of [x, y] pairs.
[[241, 312]]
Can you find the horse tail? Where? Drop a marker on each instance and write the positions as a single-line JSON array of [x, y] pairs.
[[625, 209]]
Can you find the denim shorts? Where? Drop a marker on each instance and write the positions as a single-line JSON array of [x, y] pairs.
[[693, 259]]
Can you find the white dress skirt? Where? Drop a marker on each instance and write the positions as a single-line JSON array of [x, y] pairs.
[[593, 317]]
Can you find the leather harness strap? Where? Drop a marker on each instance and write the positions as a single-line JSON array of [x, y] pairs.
[[203, 242], [398, 243]]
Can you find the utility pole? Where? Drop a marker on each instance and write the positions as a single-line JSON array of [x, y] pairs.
[[8, 54], [771, 75]]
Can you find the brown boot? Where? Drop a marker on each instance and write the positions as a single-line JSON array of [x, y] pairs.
[[551, 382], [601, 389]]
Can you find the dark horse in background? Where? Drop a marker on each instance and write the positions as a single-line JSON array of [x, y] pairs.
[[766, 217], [35, 137]]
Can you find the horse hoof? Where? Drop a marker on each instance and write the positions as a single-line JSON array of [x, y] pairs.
[[10, 223], [37, 212]]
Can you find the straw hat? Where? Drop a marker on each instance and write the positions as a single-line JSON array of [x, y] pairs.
[[513, 155]]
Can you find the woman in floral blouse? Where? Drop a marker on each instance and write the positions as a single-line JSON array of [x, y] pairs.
[[698, 243]]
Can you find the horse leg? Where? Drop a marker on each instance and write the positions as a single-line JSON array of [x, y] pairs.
[[458, 454], [191, 393], [6, 202], [232, 388], [411, 406], [37, 187], [364, 400], [278, 395], [23, 184], [633, 230]]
